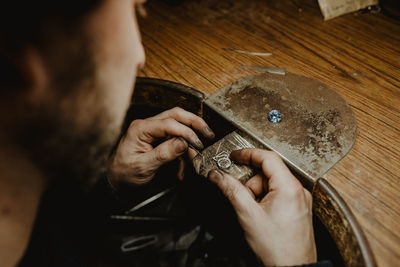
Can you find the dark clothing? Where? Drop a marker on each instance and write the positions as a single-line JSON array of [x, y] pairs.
[[68, 226], [70, 230], [320, 264]]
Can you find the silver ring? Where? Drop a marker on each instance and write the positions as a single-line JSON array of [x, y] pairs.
[[224, 163]]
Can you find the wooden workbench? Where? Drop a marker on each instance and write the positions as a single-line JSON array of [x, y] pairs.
[[357, 55]]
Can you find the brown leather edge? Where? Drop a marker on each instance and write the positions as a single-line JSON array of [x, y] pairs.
[[337, 217], [166, 94]]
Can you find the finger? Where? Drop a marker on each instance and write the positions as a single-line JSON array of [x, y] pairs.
[[188, 119], [192, 153], [270, 162], [181, 169], [233, 190], [256, 185], [308, 197], [152, 130], [165, 152]]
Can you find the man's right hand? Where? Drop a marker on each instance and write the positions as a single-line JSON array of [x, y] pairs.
[[278, 225]]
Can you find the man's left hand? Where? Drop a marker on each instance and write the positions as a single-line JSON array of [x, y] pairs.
[[136, 159]]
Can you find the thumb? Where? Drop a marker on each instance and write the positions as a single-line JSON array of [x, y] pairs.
[[233, 190], [166, 152]]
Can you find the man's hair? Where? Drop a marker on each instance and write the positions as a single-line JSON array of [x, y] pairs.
[[36, 23], [66, 152], [22, 20]]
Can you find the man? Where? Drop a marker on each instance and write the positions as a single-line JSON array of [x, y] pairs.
[[67, 73]]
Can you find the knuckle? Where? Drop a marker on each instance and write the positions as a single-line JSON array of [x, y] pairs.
[[169, 121], [143, 172], [273, 155], [136, 123], [253, 152], [148, 174], [135, 127], [177, 110], [308, 196], [192, 135], [230, 192], [256, 150], [200, 120], [161, 155], [295, 192]]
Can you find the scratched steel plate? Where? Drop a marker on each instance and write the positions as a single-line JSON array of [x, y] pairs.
[[217, 156], [318, 128]]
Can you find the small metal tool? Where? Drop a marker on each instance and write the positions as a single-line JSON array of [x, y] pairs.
[[137, 243], [140, 218], [149, 200]]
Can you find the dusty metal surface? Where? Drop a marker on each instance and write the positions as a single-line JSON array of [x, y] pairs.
[[217, 156], [318, 127]]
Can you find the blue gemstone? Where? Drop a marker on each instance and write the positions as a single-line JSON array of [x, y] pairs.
[[274, 116]]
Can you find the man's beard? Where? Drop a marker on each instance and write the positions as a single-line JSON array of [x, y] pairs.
[[71, 153], [68, 156]]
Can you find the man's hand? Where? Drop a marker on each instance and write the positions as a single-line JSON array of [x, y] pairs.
[[278, 225], [136, 160]]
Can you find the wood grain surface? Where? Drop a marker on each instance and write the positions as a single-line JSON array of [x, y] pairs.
[[357, 55]]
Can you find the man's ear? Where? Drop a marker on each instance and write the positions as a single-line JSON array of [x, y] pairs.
[[22, 70]]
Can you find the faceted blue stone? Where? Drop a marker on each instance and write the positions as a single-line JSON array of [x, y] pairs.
[[274, 116]]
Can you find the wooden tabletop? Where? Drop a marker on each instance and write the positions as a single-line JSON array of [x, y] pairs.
[[357, 55]]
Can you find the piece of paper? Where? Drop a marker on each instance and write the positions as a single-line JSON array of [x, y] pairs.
[[334, 8]]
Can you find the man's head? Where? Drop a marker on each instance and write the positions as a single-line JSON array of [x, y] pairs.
[[66, 80]]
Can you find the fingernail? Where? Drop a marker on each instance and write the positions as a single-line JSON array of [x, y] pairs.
[[214, 175], [198, 144], [208, 132], [180, 145]]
